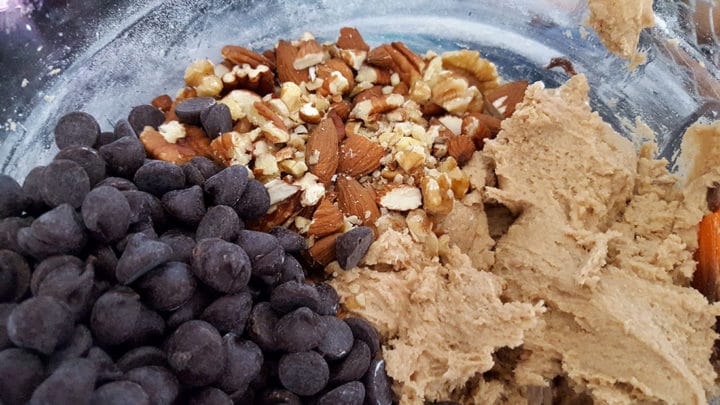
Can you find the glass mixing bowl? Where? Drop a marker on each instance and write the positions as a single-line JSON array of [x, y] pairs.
[[106, 56]]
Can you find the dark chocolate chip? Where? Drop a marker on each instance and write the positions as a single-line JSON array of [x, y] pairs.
[[70, 284], [351, 247], [52, 264], [367, 333], [292, 270], [61, 228], [64, 182], [143, 356], [338, 339], [377, 384], [227, 186], [5, 310], [229, 313], [146, 228], [40, 323], [123, 128], [144, 207], [292, 295], [159, 384], [118, 183], [168, 286], [76, 129], [32, 187], [254, 202], [14, 276], [124, 156], [104, 260], [12, 197], [210, 396], [221, 222], [304, 373], [352, 393], [120, 393], [157, 177], [140, 256], [193, 175], [106, 214], [261, 326], [264, 251], [88, 158], [71, 383], [291, 241], [187, 206], [107, 370], [279, 397], [353, 366], [145, 115], [190, 310], [105, 138], [182, 244], [242, 365], [77, 346], [149, 329], [207, 167], [221, 265], [329, 299], [20, 373], [299, 331], [196, 353], [114, 316], [8, 232], [216, 120], [189, 110]]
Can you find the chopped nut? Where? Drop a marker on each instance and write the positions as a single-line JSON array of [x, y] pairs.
[[302, 224], [266, 165], [163, 103], [239, 56], [421, 230], [158, 148], [240, 103], [294, 167], [336, 76], [453, 123], [310, 114], [259, 79], [410, 158], [323, 250], [201, 76], [367, 109], [234, 148], [350, 38], [342, 109], [459, 179], [280, 191], [291, 94], [506, 97], [478, 71], [312, 190], [309, 53], [269, 123], [172, 131], [399, 58], [373, 74], [285, 54], [438, 198], [327, 219], [398, 197]]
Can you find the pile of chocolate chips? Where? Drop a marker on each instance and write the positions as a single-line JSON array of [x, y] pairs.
[[126, 280]]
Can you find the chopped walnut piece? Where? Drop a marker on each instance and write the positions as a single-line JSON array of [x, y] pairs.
[[478, 71], [239, 56], [201, 76]]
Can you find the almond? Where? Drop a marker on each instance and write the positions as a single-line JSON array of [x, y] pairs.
[[399, 58], [400, 197], [475, 128], [372, 92], [239, 55], [461, 148], [309, 53], [335, 83], [162, 103], [339, 124], [179, 153], [285, 55], [342, 109], [284, 211], [359, 156], [354, 199], [323, 251], [321, 154], [506, 97], [327, 219], [350, 38]]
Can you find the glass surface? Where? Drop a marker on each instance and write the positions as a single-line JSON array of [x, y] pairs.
[[106, 56]]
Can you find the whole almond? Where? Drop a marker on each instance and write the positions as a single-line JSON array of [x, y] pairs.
[[321, 154], [327, 219], [354, 199], [323, 251], [461, 148], [285, 55], [350, 38], [506, 97], [359, 156]]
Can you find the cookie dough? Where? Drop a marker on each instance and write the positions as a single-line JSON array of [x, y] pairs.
[[582, 277], [619, 22]]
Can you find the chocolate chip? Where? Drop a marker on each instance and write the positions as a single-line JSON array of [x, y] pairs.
[[264, 251], [352, 246], [291, 241], [61, 228], [292, 270], [261, 326], [114, 316], [254, 202], [353, 366], [193, 175], [221, 222], [140, 256], [229, 313], [207, 167], [364, 331], [76, 129], [216, 120], [146, 228], [145, 115], [292, 295], [104, 260], [5, 310], [242, 365], [14, 276], [64, 182], [106, 368], [377, 384], [144, 207], [157, 177], [124, 156], [299, 331], [190, 310], [188, 111], [77, 346], [105, 138], [221, 265], [8, 232], [88, 158], [32, 188], [12, 197], [338, 339], [52, 264], [210, 396], [106, 214], [329, 299], [148, 329], [123, 128], [227, 186], [181, 243], [279, 397], [168, 286], [352, 393], [118, 183], [120, 393], [20, 372], [159, 384], [70, 284], [196, 353], [304, 373], [143, 356], [40, 323], [72, 383], [187, 206]]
